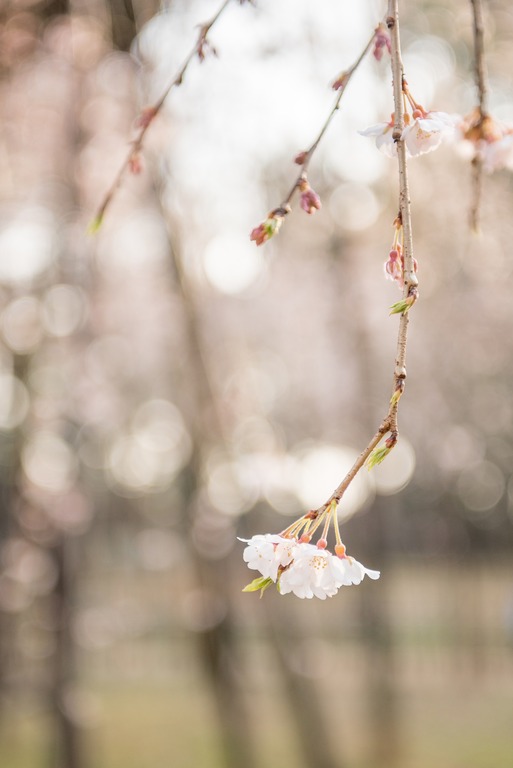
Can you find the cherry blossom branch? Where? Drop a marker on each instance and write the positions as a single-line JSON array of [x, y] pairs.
[[289, 559], [482, 111], [132, 162], [371, 454], [479, 63], [310, 201]]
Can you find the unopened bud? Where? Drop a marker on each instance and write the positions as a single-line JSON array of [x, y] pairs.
[[310, 200], [340, 82], [146, 117], [340, 550]]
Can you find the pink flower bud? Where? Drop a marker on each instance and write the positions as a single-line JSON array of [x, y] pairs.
[[394, 267], [300, 158], [135, 163], [340, 82], [381, 41], [310, 201], [146, 117], [259, 234]]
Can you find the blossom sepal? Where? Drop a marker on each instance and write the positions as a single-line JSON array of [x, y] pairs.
[[259, 584]]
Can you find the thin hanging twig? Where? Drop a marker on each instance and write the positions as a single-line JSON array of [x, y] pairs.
[[132, 161], [482, 108]]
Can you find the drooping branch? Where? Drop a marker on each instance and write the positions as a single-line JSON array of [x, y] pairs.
[[371, 454], [132, 161], [482, 108], [310, 200], [479, 60], [340, 85]]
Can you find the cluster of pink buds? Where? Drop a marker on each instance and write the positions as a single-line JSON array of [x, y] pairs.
[[309, 202], [381, 42], [394, 266], [294, 564]]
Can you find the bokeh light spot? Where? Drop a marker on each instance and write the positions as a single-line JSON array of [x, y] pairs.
[[232, 263]]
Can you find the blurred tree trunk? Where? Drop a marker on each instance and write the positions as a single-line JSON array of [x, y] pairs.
[[216, 638], [382, 696], [303, 694], [69, 748]]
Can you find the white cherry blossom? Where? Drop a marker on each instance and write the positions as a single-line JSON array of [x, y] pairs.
[[313, 573], [354, 571], [384, 137], [422, 134], [427, 131], [267, 552], [316, 572]]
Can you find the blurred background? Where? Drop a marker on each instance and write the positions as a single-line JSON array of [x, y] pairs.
[[166, 386]]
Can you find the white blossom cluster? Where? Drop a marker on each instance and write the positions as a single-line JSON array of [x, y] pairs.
[[493, 143], [302, 568], [421, 135]]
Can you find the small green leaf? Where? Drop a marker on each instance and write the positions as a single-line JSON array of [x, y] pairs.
[[377, 456], [400, 307], [259, 584], [95, 225]]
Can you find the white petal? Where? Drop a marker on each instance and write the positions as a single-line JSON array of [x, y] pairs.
[[387, 145], [375, 130]]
